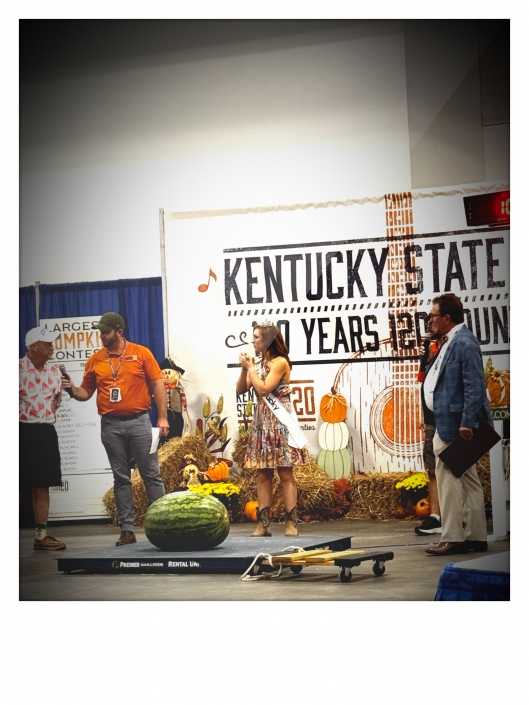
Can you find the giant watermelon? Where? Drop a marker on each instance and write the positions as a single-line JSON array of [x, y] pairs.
[[186, 521]]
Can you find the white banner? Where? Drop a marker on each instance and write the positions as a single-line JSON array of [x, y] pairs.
[[78, 427], [350, 287], [80, 496]]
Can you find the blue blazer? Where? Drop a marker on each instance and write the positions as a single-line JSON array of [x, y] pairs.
[[459, 396]]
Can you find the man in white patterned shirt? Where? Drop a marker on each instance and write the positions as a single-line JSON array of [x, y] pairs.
[[40, 391]]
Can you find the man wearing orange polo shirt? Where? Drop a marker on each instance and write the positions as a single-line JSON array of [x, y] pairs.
[[123, 374]]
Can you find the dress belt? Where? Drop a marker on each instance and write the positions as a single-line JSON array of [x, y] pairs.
[[130, 417]]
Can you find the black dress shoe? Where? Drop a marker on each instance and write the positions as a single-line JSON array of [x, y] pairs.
[[447, 548], [477, 546]]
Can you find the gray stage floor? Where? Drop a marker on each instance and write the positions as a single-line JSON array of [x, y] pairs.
[[412, 575]]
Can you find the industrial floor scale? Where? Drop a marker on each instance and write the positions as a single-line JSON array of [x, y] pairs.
[[234, 555], [238, 554]]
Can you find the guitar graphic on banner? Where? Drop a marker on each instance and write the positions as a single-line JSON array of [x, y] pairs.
[[385, 413]]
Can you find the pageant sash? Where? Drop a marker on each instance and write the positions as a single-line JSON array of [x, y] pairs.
[[296, 438]]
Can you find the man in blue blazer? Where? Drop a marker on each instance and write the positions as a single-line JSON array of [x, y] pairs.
[[454, 389]]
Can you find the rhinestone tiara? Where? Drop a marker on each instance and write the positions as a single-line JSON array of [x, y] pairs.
[[264, 324]]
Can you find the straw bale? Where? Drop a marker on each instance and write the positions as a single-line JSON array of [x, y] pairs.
[[240, 450], [317, 498], [374, 496], [171, 457], [110, 505], [483, 468]]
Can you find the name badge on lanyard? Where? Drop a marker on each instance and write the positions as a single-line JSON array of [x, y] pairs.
[[115, 394], [115, 391]]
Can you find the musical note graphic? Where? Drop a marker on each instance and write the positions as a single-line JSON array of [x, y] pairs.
[[205, 287]]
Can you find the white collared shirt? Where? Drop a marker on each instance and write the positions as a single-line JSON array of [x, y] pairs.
[[433, 374]]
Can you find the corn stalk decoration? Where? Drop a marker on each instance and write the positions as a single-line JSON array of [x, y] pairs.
[[247, 417], [213, 428]]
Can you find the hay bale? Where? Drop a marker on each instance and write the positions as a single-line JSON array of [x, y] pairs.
[[239, 451], [374, 496], [483, 468], [171, 457], [317, 499], [110, 505]]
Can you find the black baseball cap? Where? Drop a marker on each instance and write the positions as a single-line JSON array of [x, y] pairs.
[[108, 321]]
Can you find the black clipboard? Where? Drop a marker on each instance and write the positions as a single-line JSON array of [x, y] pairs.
[[460, 455]]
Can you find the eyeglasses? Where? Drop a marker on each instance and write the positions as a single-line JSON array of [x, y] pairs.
[[436, 315]]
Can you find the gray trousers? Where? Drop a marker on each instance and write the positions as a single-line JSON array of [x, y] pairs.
[[120, 438], [461, 500]]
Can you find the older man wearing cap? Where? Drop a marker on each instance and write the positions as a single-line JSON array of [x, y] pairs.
[[124, 373], [40, 392]]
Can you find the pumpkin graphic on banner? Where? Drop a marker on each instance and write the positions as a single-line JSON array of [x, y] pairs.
[[498, 384], [333, 436]]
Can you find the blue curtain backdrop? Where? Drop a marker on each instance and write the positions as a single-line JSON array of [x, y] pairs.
[[27, 317], [139, 301]]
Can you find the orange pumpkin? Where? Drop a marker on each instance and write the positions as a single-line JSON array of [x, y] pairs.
[[422, 508], [250, 510], [218, 471], [333, 407]]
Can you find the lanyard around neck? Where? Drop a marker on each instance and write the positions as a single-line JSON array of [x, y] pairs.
[[115, 373]]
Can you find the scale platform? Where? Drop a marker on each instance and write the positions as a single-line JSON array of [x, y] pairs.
[[234, 555]]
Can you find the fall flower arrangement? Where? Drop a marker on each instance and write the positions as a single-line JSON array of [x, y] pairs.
[[225, 492], [413, 488]]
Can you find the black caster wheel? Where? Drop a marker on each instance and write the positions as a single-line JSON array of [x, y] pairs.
[[379, 568], [346, 575], [296, 569]]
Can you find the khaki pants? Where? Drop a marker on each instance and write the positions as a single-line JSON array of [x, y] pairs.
[[461, 501]]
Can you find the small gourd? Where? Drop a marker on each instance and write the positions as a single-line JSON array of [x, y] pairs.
[[422, 508], [218, 471], [250, 510]]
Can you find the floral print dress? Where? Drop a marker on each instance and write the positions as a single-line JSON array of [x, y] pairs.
[[268, 438]]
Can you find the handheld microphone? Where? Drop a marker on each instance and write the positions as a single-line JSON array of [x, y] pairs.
[[68, 390], [426, 340]]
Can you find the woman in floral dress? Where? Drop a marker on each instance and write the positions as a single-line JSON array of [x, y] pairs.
[[268, 442]]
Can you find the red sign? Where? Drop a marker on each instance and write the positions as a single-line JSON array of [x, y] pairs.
[[488, 209]]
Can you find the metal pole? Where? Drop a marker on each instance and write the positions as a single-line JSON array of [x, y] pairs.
[[497, 490], [161, 220], [37, 301]]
